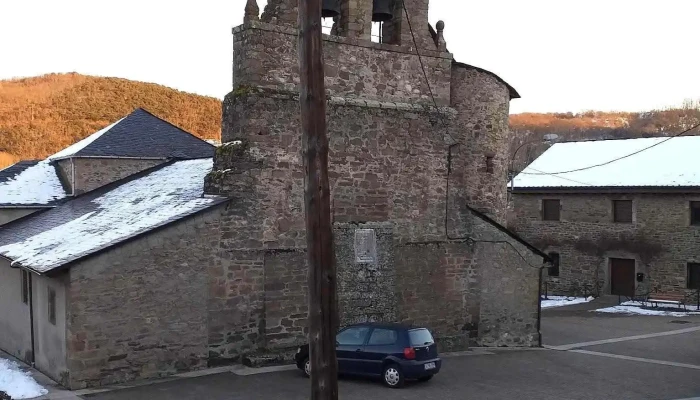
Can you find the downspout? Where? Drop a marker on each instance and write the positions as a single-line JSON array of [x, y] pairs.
[[72, 171], [31, 316], [539, 304]]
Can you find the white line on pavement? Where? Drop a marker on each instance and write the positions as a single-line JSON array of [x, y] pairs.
[[623, 339], [639, 359]]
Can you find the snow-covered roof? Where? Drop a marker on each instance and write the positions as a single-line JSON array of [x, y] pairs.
[[30, 183], [139, 135], [670, 163], [108, 216]]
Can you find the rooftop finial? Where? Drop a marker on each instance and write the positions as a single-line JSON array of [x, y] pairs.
[[440, 40], [252, 11]]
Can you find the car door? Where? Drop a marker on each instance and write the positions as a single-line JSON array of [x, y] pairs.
[[348, 344], [382, 343]]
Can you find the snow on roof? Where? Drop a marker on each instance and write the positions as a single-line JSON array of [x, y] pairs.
[[77, 146], [671, 163], [37, 184], [108, 216]]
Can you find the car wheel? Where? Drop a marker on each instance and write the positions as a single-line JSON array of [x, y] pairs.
[[307, 368], [392, 376], [426, 378]]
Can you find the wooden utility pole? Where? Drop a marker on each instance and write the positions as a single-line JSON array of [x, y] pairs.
[[323, 309]]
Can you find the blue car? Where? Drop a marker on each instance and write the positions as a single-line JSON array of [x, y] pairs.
[[395, 353]]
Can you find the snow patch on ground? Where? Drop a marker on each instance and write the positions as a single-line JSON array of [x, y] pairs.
[[37, 184], [637, 308], [16, 383], [560, 301]]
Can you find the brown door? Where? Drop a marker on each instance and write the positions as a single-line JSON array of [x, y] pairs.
[[622, 276]]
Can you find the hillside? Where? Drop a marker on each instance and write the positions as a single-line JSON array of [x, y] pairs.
[[41, 115], [530, 127]]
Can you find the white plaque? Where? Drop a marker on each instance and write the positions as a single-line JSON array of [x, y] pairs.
[[365, 246]]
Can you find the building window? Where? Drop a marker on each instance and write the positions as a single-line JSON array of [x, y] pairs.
[[622, 210], [489, 164], [550, 210], [52, 306], [693, 276], [695, 213], [554, 269], [25, 287]]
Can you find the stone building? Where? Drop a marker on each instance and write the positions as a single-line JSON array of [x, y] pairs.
[[110, 285], [418, 191], [153, 259], [626, 227]]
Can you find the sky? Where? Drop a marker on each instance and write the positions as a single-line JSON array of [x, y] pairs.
[[573, 55]]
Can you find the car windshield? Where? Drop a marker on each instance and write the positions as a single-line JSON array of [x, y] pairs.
[[420, 337]]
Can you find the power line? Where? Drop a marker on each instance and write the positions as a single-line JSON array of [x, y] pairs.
[[613, 160], [420, 59], [561, 177]]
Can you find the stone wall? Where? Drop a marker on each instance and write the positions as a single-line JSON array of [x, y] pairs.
[[140, 310], [366, 288], [266, 55], [50, 338], [14, 314], [481, 132], [660, 239], [92, 173], [10, 214]]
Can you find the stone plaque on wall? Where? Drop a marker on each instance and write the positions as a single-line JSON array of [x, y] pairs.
[[365, 246]]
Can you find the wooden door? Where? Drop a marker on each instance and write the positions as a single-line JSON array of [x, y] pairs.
[[622, 276]]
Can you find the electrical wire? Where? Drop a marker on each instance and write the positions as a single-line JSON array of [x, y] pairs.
[[449, 157], [616, 159], [561, 177]]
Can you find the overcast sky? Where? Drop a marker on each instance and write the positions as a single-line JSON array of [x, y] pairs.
[[561, 55]]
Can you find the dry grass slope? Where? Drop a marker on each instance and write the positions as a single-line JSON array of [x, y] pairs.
[[41, 115]]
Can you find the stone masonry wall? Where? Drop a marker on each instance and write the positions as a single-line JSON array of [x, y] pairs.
[[266, 55], [433, 290], [92, 173], [140, 310], [660, 238], [482, 132], [508, 282], [366, 290]]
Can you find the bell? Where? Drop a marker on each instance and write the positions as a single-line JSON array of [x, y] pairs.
[[330, 8], [382, 10]]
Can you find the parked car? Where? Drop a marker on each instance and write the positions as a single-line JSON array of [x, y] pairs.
[[394, 352]]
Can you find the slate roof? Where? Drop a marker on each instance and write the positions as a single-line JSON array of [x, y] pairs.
[[671, 163], [13, 170], [139, 135], [30, 184], [108, 216]]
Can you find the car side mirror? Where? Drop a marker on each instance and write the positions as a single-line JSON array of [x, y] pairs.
[[337, 344]]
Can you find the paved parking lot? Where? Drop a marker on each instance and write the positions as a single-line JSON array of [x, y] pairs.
[[593, 356]]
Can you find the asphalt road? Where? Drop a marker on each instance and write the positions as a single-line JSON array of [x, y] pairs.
[[658, 366]]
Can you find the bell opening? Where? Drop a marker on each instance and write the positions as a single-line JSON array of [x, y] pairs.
[[377, 33]]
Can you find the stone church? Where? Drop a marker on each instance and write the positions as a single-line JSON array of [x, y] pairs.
[[129, 269]]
